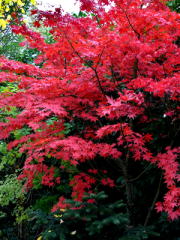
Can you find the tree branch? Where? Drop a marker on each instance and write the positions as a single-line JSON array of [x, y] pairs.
[[154, 202]]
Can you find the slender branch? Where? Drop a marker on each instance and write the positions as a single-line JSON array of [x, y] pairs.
[[134, 179], [93, 168], [154, 201], [125, 12], [65, 67], [121, 163], [129, 189], [135, 68], [113, 74], [145, 27], [117, 188], [112, 164], [98, 21], [128, 5], [28, 197], [75, 127], [95, 17], [101, 88], [99, 58]]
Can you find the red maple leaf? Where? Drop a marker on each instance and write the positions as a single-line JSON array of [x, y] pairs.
[[36, 24], [148, 137], [159, 207]]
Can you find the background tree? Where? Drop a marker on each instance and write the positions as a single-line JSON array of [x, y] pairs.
[[12, 7]]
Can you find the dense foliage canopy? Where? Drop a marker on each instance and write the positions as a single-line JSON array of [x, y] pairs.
[[98, 109]]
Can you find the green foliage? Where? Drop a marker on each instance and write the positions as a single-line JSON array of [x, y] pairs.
[[48, 37], [174, 5], [140, 232], [89, 220], [167, 228], [51, 120], [11, 192], [10, 48], [19, 211], [45, 203], [8, 87], [80, 14]]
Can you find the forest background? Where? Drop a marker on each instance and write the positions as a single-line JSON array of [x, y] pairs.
[[90, 121]]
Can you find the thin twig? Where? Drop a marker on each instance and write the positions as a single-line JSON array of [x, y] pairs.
[[125, 12], [154, 201]]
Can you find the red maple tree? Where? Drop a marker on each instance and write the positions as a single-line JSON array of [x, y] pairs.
[[111, 72]]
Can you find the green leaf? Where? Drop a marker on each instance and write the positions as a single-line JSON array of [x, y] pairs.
[[96, 223], [76, 214], [44, 221], [102, 212], [130, 238], [88, 218], [101, 225], [116, 221], [88, 210], [153, 233], [107, 221], [103, 196], [92, 232]]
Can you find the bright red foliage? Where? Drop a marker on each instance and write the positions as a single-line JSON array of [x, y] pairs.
[[90, 59]]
